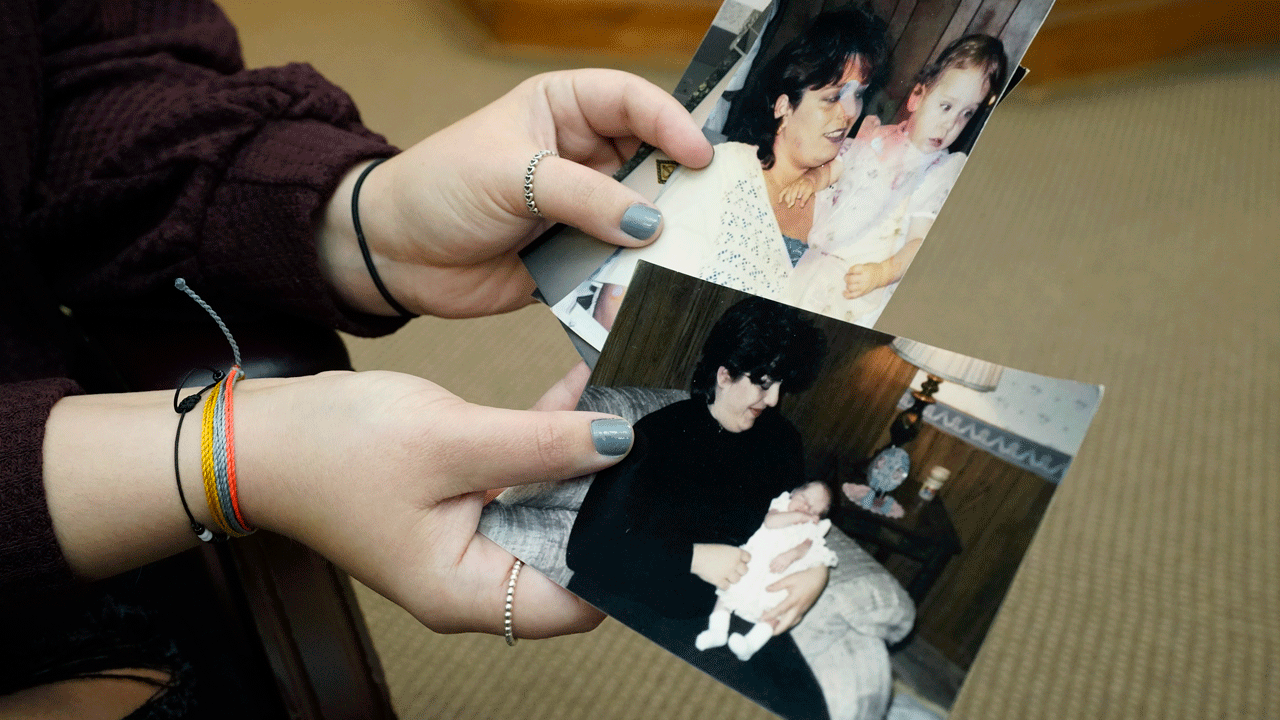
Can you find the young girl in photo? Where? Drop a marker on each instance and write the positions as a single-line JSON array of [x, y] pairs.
[[876, 201], [790, 539]]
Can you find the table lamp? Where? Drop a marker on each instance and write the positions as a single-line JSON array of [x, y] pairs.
[[938, 365], [888, 467]]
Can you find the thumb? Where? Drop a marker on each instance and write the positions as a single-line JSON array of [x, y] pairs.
[[498, 447]]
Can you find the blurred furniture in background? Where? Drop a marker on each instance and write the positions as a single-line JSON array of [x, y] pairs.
[[1079, 37]]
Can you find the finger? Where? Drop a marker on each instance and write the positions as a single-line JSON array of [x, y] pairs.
[[785, 622], [615, 104], [485, 447], [595, 203], [540, 608], [565, 393], [781, 584]]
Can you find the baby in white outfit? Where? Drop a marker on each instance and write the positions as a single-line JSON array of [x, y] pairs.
[[791, 539]]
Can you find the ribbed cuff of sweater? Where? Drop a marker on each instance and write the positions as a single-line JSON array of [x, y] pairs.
[[260, 229], [30, 558]]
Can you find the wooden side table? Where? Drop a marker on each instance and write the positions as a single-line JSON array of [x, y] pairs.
[[924, 534]]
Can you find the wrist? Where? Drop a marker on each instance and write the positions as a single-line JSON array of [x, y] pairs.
[[277, 423], [341, 261], [109, 476], [882, 273]]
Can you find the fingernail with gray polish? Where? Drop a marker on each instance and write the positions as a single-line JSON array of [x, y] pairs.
[[611, 436], [641, 221]]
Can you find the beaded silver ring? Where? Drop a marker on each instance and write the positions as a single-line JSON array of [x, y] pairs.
[[511, 594], [528, 180]]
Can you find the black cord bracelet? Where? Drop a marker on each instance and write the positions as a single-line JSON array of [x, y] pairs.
[[186, 405], [364, 246]]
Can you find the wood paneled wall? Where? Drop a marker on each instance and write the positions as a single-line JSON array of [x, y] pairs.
[[920, 29], [996, 508], [843, 418]]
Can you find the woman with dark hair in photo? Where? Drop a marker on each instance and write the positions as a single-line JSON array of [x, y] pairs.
[[869, 222], [659, 534], [727, 223]]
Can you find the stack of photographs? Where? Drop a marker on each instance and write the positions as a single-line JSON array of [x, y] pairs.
[[824, 517]]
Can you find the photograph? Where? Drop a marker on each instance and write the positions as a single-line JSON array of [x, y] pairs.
[[821, 516], [838, 138]]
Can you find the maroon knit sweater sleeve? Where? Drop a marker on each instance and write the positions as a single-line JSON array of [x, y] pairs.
[[165, 158], [30, 558]]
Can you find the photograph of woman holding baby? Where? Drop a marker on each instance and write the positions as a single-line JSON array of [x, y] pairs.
[[660, 534]]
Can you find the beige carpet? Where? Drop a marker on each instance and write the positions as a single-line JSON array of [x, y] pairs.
[[1124, 231]]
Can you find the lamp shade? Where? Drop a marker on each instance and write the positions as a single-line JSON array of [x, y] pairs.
[[953, 367]]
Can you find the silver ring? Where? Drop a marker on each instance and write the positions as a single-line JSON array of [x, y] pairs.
[[511, 595], [528, 180]]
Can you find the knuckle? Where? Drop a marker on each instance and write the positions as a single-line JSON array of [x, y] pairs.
[[551, 443]]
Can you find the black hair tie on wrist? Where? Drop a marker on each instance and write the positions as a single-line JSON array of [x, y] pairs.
[[364, 246]]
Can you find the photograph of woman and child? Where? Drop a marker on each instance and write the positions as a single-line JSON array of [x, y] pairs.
[[797, 206], [724, 535]]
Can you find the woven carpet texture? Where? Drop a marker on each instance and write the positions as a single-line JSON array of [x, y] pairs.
[[1121, 230]]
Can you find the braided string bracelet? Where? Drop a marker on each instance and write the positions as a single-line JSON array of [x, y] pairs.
[[217, 442]]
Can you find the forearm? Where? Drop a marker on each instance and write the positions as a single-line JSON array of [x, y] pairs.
[[775, 519], [382, 473], [786, 559], [109, 474], [166, 157], [896, 266]]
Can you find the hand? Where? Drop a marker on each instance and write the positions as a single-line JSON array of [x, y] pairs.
[[862, 279], [383, 473], [799, 517], [803, 589], [446, 218], [788, 558], [799, 191], [394, 487], [720, 565]]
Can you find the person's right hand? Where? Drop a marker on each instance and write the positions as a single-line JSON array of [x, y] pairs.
[[799, 191], [385, 474], [720, 565]]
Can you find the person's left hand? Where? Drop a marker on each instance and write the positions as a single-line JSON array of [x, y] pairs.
[[803, 589], [445, 219], [788, 558]]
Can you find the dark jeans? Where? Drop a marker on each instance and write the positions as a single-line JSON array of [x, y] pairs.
[[777, 677]]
